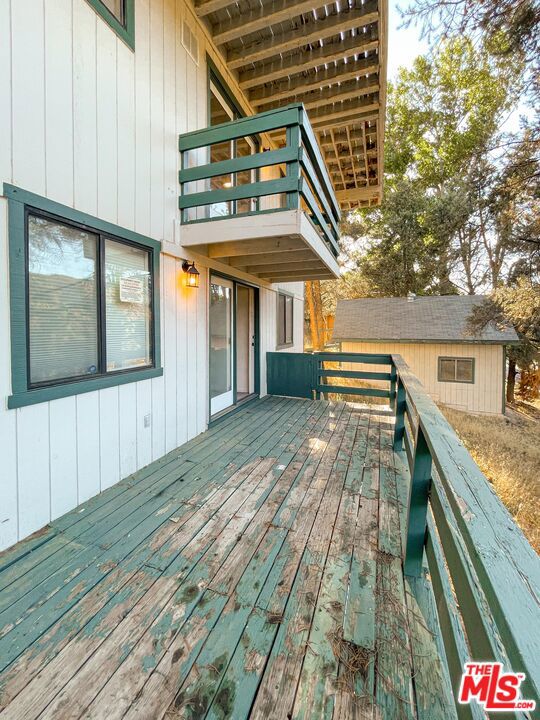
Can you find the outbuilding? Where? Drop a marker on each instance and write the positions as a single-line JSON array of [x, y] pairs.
[[458, 368]]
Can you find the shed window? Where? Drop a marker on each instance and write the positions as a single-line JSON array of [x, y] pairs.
[[454, 369], [285, 320]]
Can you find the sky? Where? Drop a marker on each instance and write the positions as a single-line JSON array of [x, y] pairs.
[[404, 45]]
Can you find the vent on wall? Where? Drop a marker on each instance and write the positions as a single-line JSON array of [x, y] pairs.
[[190, 41]]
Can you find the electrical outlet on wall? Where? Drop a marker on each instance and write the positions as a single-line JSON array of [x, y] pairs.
[[147, 420]]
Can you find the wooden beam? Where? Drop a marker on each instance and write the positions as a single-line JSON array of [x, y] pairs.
[[327, 123], [252, 247], [344, 109], [341, 138], [358, 194], [284, 267], [298, 37], [301, 61], [259, 18], [293, 256], [285, 89], [337, 93], [210, 6], [300, 275]]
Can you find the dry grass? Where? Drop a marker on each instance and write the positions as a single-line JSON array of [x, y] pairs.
[[508, 453]]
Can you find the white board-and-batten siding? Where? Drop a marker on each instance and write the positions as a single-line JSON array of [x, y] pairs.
[[89, 123], [485, 395]]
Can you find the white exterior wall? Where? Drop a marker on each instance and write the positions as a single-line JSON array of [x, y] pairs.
[[86, 122], [485, 395]]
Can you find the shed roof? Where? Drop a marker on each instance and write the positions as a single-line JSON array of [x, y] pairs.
[[419, 319]]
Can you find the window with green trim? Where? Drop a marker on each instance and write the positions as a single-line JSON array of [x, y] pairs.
[[84, 301], [120, 15], [285, 320]]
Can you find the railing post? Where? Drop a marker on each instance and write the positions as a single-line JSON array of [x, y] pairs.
[[418, 503], [399, 427], [393, 382], [293, 168]]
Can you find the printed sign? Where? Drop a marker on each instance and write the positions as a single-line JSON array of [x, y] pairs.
[[131, 290], [491, 687]]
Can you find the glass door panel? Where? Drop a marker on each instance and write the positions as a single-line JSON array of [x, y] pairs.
[[221, 344]]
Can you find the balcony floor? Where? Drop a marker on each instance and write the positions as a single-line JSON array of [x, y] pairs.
[[254, 572]]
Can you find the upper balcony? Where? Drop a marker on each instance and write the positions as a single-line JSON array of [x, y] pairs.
[[270, 212]]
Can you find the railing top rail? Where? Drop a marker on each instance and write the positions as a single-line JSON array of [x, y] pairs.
[[506, 564], [315, 155], [242, 127]]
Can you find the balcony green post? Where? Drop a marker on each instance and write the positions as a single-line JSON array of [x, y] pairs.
[[399, 405], [393, 383], [418, 504], [293, 168]]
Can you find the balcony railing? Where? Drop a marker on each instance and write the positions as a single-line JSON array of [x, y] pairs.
[[251, 182], [485, 575]]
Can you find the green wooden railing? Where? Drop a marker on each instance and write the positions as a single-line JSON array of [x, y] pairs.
[[485, 575], [305, 183]]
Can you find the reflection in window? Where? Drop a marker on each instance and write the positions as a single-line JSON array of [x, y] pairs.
[[285, 320], [128, 299], [62, 301], [86, 316], [116, 8]]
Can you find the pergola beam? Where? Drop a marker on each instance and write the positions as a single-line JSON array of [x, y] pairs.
[[327, 122], [298, 62], [304, 35], [337, 93], [259, 18], [289, 88], [339, 110], [210, 6], [358, 194]]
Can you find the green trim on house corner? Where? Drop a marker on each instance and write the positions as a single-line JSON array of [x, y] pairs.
[[18, 201], [126, 31]]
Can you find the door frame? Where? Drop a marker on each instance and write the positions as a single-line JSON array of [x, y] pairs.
[[256, 353]]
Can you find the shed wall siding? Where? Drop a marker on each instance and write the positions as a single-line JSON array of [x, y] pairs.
[[483, 396], [88, 123]]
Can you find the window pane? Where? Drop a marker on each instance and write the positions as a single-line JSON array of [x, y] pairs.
[[281, 320], [447, 370], [464, 370], [220, 339], [128, 303], [288, 319], [116, 7], [62, 301]]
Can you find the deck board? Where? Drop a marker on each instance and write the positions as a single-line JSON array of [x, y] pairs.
[[254, 572]]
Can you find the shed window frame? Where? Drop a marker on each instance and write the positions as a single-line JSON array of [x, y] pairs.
[[282, 318], [22, 205], [456, 359], [124, 26]]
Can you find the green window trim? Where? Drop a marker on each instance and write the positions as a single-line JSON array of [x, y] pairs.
[[125, 31], [454, 358], [18, 202]]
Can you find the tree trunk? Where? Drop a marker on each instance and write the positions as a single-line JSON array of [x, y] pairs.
[[511, 380], [316, 320]]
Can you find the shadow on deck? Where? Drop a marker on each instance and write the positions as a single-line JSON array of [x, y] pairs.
[[254, 572]]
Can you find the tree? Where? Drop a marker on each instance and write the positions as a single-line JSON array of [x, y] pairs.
[[518, 304]]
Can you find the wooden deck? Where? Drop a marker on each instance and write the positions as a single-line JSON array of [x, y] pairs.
[[254, 572]]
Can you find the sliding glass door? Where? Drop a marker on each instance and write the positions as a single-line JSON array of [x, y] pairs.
[[221, 344]]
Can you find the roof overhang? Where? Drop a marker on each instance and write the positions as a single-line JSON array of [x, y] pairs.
[[332, 58]]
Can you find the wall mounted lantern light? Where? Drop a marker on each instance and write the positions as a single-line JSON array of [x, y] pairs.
[[192, 274]]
